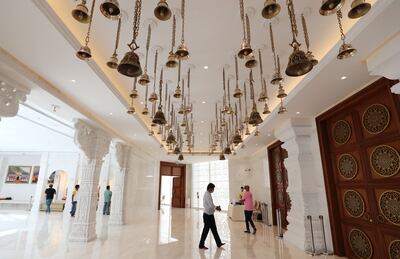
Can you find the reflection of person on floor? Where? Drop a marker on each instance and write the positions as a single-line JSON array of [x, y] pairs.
[[49, 197], [208, 217], [107, 201], [248, 209], [74, 202]]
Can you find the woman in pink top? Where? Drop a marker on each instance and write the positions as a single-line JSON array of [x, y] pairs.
[[248, 209]]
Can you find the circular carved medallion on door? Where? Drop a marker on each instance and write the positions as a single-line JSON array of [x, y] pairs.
[[376, 118], [341, 132], [347, 166], [354, 203], [360, 244], [385, 161], [389, 204], [394, 249]]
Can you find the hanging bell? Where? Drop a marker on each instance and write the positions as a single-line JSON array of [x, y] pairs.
[[263, 97], [271, 9], [159, 117], [247, 130], [329, 7], [81, 13], [255, 118], [221, 156], [172, 61], [298, 62], [251, 61], [84, 53], [256, 133], [346, 51], [276, 78], [237, 93], [282, 110], [237, 138], [311, 58], [266, 109], [181, 109], [358, 9], [131, 110], [144, 79], [178, 92], [145, 110], [177, 150], [188, 109], [184, 123], [228, 110], [113, 61], [281, 92], [130, 65], [171, 138], [162, 11], [180, 157], [182, 52], [110, 9], [245, 50], [227, 150], [153, 97], [134, 94], [151, 133]]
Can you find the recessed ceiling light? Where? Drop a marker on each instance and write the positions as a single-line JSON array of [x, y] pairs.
[[110, 113], [343, 77], [269, 135], [202, 121], [141, 102], [256, 144], [297, 112], [205, 67], [73, 80]]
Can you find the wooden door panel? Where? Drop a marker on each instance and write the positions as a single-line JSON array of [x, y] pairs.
[[178, 183], [348, 167], [361, 242], [384, 161], [355, 205]]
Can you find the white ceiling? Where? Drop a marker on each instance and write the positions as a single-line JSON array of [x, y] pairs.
[[47, 45]]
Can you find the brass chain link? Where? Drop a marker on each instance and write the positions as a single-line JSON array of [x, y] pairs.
[[292, 19], [241, 5], [307, 40], [339, 18], [236, 72], [271, 34], [155, 70], [90, 23], [136, 25], [173, 33], [183, 20], [117, 40], [248, 29], [147, 46]]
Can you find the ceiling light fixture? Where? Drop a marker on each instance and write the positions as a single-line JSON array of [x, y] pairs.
[[297, 112], [73, 81], [205, 67], [203, 102], [343, 77]]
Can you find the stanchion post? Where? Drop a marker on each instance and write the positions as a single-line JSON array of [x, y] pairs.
[[279, 221], [325, 252]]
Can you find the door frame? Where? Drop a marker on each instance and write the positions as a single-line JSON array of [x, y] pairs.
[[183, 181]]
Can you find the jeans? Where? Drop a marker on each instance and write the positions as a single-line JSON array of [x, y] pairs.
[[48, 205], [73, 209], [106, 207], [248, 214], [209, 223]]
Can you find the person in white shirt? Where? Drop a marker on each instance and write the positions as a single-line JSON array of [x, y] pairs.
[[208, 217]]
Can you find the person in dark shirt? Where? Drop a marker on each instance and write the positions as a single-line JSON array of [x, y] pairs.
[[50, 192]]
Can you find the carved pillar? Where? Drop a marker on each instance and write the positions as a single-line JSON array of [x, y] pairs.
[[95, 144], [122, 153], [386, 62], [11, 95], [305, 183]]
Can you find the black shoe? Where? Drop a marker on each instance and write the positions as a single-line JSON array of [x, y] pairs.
[[254, 231], [203, 247], [221, 245], [247, 231]]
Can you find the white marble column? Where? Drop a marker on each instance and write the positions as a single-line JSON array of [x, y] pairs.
[[385, 62], [305, 183], [95, 144], [11, 95], [122, 154]]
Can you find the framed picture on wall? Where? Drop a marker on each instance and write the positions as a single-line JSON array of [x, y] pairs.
[[35, 174], [18, 174]]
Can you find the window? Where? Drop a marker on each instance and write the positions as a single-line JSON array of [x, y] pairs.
[[215, 172]]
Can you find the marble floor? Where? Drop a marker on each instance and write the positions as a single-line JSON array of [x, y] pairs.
[[171, 233]]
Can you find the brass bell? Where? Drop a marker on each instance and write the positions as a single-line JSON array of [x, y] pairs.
[[144, 79], [237, 138], [227, 150], [221, 156], [298, 63], [159, 117], [131, 110], [130, 65], [266, 109], [84, 53], [188, 109], [271, 9], [256, 133], [134, 94], [255, 118], [153, 97], [247, 131], [171, 138], [228, 110], [245, 50], [145, 110], [237, 93], [282, 110], [184, 123], [276, 78], [250, 61], [177, 150], [178, 92], [346, 51], [151, 133], [81, 13], [329, 7], [311, 57], [181, 109], [182, 52], [172, 61], [358, 9], [180, 157], [110, 9], [263, 97], [162, 11], [113, 61], [281, 92]]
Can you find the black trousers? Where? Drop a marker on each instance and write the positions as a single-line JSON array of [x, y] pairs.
[[209, 223], [248, 214]]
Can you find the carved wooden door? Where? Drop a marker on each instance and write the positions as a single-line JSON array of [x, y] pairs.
[[178, 183], [360, 139], [279, 183]]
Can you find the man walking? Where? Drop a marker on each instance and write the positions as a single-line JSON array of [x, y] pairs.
[[208, 217], [49, 197], [248, 209], [74, 202], [107, 201]]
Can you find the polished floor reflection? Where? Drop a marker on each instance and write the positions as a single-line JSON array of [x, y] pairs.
[[171, 233]]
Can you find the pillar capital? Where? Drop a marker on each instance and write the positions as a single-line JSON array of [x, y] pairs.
[[11, 95], [122, 152]]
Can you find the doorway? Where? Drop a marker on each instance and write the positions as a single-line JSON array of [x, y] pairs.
[[172, 186]]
